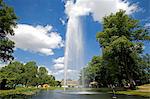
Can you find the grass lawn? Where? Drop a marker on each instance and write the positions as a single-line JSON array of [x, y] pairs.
[[20, 90], [25, 91], [143, 90]]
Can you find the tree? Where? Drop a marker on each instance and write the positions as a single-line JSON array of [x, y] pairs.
[[7, 23], [30, 73], [94, 71], [12, 74], [144, 63], [121, 43], [44, 78], [16, 73]]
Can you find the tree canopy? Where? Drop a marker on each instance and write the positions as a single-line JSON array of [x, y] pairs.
[[27, 74], [7, 23], [122, 45]]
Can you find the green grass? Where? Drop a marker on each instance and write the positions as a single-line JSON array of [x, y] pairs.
[[132, 92], [143, 90], [20, 90], [25, 91]]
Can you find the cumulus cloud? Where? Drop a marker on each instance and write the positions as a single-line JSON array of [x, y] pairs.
[[38, 38], [72, 74], [59, 66], [58, 63], [58, 71], [59, 60], [98, 8]]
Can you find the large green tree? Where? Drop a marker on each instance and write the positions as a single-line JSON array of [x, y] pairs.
[[44, 78], [92, 71], [121, 42], [27, 74], [30, 73], [7, 23], [12, 74], [97, 71]]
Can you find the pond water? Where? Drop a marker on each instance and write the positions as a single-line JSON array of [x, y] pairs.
[[58, 94], [76, 95]]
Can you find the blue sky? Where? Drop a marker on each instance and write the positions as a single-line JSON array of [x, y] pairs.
[[37, 14]]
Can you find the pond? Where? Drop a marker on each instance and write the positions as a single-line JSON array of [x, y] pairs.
[[59, 94]]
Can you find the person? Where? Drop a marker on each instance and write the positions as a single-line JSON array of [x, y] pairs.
[[113, 90]]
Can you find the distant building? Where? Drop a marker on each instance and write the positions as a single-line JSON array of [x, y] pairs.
[[70, 83]]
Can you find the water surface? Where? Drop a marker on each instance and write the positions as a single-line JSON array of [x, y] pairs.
[[57, 94]]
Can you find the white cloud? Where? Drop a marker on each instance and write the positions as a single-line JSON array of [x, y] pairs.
[[98, 8], [62, 21], [62, 71], [59, 66], [59, 60], [58, 63], [71, 74], [58, 71], [38, 38]]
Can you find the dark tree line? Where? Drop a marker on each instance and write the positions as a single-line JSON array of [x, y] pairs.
[[122, 61]]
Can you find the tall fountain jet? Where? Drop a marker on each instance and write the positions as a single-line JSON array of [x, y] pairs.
[[74, 48]]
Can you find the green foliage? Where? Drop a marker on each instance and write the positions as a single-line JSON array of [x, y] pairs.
[[44, 78], [118, 25], [27, 74], [92, 69], [7, 23], [12, 73], [121, 42], [18, 91]]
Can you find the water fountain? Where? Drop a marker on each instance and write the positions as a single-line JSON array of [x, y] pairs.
[[74, 54], [74, 48]]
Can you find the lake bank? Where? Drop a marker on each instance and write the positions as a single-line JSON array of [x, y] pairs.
[[143, 90], [19, 91], [23, 91]]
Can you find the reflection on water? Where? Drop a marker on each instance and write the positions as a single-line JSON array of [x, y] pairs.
[[57, 94]]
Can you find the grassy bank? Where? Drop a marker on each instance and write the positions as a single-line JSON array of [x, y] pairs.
[[143, 90], [20, 91], [132, 92], [25, 91]]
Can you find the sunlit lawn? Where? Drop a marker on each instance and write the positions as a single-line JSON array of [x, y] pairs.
[[143, 90]]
